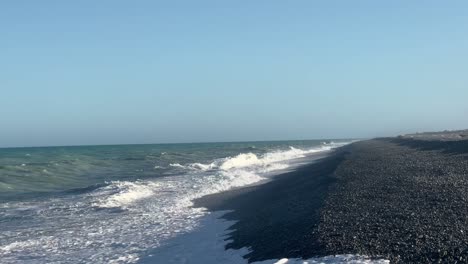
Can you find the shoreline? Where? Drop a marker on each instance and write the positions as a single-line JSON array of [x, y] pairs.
[[264, 213], [400, 199]]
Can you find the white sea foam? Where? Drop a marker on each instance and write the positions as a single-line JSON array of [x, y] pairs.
[[18, 245], [266, 162], [177, 165], [240, 161], [203, 167], [123, 193], [132, 258]]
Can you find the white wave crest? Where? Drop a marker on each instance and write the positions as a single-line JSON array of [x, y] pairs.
[[267, 162], [250, 159], [177, 165], [195, 166], [240, 161], [123, 193], [229, 180], [203, 167]]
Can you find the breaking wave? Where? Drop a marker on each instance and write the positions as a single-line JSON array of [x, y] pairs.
[[123, 193], [220, 175], [268, 161]]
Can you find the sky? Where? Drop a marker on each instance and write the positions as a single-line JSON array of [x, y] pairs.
[[123, 72]]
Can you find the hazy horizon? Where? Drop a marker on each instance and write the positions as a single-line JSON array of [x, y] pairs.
[[116, 72], [182, 143]]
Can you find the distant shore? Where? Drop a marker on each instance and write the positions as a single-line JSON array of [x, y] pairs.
[[404, 199]]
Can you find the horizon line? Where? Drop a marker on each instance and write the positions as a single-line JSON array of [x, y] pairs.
[[175, 143]]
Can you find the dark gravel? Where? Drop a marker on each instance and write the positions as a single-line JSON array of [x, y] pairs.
[[402, 199], [396, 200]]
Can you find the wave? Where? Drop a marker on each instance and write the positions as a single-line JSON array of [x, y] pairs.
[[250, 159], [195, 166], [203, 167], [123, 193], [177, 165], [268, 161], [240, 161]]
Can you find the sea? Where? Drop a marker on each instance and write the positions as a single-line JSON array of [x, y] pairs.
[[131, 203]]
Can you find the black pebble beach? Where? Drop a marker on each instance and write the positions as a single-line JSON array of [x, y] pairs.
[[404, 199]]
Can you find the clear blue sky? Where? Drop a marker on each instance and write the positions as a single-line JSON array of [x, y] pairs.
[[104, 72]]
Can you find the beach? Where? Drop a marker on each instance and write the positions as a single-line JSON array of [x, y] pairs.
[[403, 199]]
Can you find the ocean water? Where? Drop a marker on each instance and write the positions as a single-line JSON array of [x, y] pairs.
[[120, 204]]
